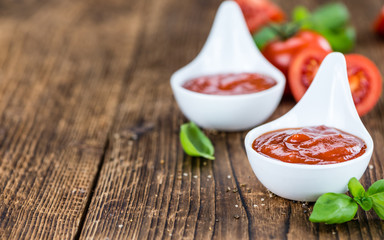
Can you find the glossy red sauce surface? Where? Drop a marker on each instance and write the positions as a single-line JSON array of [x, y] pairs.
[[310, 145], [230, 84]]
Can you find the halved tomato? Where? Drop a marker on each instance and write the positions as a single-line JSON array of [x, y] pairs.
[[258, 13], [365, 81], [303, 69], [281, 52], [364, 78]]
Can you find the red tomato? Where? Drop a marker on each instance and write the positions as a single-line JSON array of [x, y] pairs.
[[258, 13], [303, 69], [364, 77], [378, 25], [280, 53]]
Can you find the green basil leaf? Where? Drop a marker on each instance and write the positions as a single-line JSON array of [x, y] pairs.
[[333, 208], [355, 188], [378, 204], [377, 187], [194, 141], [300, 13], [365, 203], [331, 21], [376, 193], [332, 16], [341, 41]]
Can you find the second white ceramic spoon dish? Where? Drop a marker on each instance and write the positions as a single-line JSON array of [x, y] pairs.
[[328, 101], [228, 49]]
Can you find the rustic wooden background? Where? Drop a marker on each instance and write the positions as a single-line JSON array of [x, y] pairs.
[[89, 144]]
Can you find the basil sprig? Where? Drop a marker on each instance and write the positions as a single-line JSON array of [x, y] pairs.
[[376, 193], [194, 141], [331, 20], [339, 208]]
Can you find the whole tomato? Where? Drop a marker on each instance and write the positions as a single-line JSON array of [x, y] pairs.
[[378, 25], [281, 52], [258, 13]]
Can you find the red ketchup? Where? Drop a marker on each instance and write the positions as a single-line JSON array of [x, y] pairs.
[[230, 84], [310, 145]]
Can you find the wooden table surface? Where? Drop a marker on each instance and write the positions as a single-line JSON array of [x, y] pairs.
[[89, 145]]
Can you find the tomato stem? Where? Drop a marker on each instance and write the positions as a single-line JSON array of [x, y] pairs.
[[286, 30]]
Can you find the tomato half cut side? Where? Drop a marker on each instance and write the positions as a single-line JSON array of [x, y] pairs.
[[364, 78], [281, 52], [303, 69], [365, 81]]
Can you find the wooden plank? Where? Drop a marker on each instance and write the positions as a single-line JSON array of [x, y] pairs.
[[62, 67], [142, 192], [149, 189], [63, 73]]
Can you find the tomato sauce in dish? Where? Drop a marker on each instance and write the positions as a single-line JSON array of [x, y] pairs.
[[310, 145], [230, 83]]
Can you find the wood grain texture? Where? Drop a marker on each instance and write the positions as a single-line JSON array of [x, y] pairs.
[[149, 189], [61, 76], [89, 129]]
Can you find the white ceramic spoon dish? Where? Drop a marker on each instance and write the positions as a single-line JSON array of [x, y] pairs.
[[328, 101], [228, 49]]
